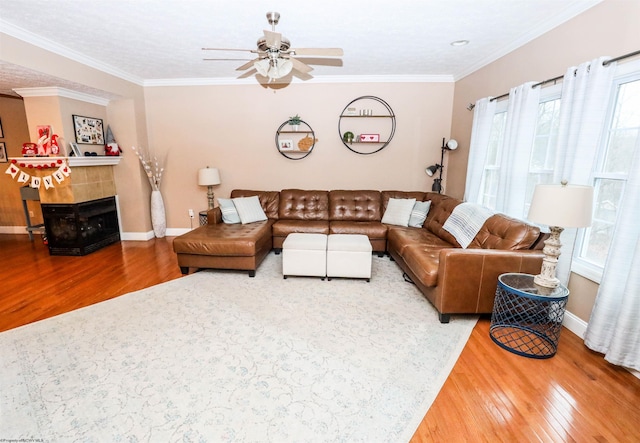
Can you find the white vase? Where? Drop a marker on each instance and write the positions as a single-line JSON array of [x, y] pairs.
[[158, 217]]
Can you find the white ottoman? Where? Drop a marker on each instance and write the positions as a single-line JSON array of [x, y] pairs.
[[349, 255], [304, 254]]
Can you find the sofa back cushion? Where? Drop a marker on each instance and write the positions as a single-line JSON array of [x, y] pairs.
[[269, 200], [386, 195], [441, 208], [298, 204], [354, 206], [506, 233]]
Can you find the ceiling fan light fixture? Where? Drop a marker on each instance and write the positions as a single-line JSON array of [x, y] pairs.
[[262, 66], [280, 68]]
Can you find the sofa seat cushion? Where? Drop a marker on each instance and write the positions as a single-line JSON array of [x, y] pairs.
[[372, 229], [223, 239], [398, 238], [423, 261], [282, 228]]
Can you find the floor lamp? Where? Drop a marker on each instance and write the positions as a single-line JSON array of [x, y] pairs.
[[209, 177], [558, 206], [451, 145]]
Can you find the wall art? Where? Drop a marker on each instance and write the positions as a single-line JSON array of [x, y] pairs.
[[89, 130]]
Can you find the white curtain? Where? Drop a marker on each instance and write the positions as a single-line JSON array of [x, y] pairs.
[[480, 133], [586, 92], [614, 329], [520, 127]]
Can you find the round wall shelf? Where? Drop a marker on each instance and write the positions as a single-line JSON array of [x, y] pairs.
[[367, 125], [295, 143]]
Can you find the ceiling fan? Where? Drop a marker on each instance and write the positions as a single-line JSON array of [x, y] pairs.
[[276, 58]]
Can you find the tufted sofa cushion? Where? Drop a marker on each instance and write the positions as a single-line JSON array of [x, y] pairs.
[[361, 206], [297, 204], [506, 233]]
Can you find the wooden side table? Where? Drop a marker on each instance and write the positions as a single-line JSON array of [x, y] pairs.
[[527, 318]]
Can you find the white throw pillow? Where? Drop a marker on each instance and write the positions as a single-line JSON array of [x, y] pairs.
[[419, 214], [249, 209], [228, 209], [398, 211]]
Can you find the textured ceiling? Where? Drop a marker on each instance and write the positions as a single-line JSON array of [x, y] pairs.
[[156, 41]]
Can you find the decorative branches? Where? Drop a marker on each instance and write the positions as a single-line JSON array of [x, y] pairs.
[[151, 167]]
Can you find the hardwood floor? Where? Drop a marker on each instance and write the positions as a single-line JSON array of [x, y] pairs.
[[490, 396]]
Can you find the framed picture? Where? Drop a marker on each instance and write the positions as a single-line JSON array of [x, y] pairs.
[[286, 145], [369, 138], [75, 150], [89, 130], [3, 153], [1, 131]]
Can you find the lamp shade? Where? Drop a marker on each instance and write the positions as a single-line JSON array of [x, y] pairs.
[[432, 170], [208, 176], [566, 206]]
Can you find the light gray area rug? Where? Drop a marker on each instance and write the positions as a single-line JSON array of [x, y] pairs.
[[221, 357]]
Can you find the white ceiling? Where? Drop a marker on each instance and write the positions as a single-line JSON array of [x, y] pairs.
[[160, 41]]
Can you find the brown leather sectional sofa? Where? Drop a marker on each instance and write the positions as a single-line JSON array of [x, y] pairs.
[[455, 280]]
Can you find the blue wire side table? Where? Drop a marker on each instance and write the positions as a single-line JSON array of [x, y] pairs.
[[527, 318]]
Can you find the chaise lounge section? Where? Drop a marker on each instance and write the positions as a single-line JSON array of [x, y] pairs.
[[455, 280]]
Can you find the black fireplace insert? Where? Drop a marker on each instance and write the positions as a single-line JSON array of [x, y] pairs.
[[81, 228]]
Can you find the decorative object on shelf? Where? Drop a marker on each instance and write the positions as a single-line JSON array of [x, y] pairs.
[[374, 110], [286, 145], [451, 145], [88, 130], [209, 177], [558, 206], [348, 137], [154, 170], [75, 150], [3, 153], [276, 57], [111, 148], [299, 143], [295, 122]]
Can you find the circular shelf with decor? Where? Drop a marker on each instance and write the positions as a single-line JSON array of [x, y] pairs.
[[367, 125], [295, 141]]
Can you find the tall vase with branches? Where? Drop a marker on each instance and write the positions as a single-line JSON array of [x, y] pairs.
[[154, 170]]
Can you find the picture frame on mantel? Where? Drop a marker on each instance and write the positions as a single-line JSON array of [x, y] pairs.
[[88, 130]]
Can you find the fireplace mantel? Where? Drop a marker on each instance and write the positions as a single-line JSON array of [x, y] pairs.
[[99, 160]]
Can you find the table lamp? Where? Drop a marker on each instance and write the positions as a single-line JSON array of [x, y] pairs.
[[209, 177], [558, 206]]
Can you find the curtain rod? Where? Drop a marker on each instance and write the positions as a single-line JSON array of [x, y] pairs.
[[555, 79]]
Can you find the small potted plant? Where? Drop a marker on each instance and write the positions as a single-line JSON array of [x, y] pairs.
[[295, 121]]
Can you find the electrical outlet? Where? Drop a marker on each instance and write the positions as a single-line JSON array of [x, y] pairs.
[[191, 215], [31, 214]]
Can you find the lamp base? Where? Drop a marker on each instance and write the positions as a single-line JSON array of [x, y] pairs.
[[210, 196], [547, 277]]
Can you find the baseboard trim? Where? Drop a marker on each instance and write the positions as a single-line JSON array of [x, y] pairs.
[[575, 324], [137, 236], [13, 230]]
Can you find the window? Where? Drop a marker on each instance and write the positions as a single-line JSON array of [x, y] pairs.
[[610, 176], [491, 175]]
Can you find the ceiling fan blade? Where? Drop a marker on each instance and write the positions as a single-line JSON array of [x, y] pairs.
[[224, 59], [248, 74], [302, 75], [273, 39], [323, 61], [299, 66], [247, 65], [324, 52]]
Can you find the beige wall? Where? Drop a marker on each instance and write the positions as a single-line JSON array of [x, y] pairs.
[[610, 28], [233, 128], [16, 132]]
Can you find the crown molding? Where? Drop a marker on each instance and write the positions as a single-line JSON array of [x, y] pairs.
[[49, 45], [54, 91], [229, 81]]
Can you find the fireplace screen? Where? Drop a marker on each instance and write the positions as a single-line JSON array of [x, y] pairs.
[[81, 228]]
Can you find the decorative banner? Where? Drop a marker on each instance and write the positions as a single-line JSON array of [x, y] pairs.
[[48, 181], [12, 170], [17, 166], [59, 176], [24, 177]]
